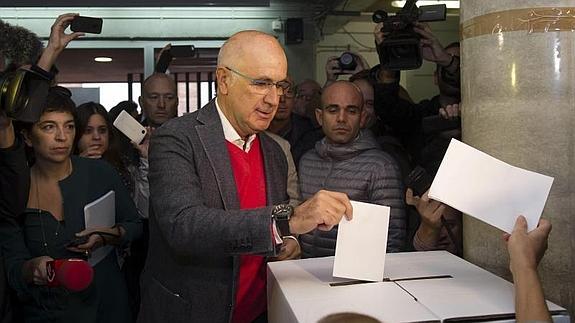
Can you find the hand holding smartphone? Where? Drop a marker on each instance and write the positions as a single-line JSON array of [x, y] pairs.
[[171, 52], [130, 127]]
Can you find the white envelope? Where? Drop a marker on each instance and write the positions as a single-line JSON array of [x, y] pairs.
[[489, 189], [362, 242]]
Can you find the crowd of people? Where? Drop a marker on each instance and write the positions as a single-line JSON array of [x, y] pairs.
[[264, 172]]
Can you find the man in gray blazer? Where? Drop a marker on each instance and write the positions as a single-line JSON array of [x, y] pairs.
[[200, 234]]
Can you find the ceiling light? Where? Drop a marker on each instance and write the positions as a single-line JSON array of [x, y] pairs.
[[103, 59], [453, 4]]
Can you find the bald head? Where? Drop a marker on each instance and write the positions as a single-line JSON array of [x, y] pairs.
[[340, 89], [159, 100], [245, 47], [309, 84], [251, 74], [158, 77]]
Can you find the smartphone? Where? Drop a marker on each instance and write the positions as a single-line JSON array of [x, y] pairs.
[[78, 241], [87, 25], [419, 181], [130, 127], [182, 51]]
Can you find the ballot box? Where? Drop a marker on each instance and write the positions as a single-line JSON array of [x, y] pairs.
[[430, 286]]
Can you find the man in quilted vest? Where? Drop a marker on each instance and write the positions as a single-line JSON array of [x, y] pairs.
[[349, 160]]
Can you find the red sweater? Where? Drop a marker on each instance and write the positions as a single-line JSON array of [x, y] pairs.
[[250, 180]]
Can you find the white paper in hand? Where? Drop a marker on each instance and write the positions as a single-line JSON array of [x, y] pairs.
[[98, 214], [489, 189], [362, 242]]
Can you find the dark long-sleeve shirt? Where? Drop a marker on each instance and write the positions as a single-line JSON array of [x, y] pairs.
[[37, 233]]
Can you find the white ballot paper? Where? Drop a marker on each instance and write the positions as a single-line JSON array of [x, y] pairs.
[[98, 214], [362, 242], [489, 189]]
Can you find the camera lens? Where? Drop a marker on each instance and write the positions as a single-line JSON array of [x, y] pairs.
[[379, 16], [346, 59]]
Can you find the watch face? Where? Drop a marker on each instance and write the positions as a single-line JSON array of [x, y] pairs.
[[283, 211]]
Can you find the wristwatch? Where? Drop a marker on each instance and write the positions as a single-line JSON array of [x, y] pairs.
[[281, 213]]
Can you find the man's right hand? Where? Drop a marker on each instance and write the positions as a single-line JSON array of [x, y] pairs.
[[324, 210], [332, 70]]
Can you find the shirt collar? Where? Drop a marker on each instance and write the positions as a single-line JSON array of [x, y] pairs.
[[231, 135]]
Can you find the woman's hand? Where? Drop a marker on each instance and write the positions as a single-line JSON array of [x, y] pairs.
[[97, 237], [35, 271], [143, 147]]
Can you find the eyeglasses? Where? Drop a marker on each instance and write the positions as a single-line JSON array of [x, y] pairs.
[[263, 87]]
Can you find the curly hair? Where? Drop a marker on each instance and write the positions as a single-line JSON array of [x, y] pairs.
[[19, 45]]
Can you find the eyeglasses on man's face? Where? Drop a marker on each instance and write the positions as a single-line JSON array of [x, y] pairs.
[[263, 87]]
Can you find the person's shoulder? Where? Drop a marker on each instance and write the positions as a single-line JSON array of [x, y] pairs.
[[284, 144], [179, 123]]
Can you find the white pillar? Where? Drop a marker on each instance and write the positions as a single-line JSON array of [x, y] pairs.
[[518, 87]]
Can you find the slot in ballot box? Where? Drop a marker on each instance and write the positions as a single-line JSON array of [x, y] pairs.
[[431, 286]]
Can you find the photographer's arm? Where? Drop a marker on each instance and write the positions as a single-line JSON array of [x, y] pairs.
[[58, 41], [433, 51]]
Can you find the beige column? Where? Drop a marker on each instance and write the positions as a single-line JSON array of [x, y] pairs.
[[518, 86]]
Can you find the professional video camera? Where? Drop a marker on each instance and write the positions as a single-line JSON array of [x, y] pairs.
[[12, 86], [400, 50], [19, 89]]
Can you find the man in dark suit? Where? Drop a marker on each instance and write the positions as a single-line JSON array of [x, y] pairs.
[[217, 187]]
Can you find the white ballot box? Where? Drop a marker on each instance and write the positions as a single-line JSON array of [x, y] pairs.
[[431, 286]]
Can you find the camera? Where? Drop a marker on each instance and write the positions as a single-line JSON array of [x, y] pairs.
[[12, 86], [22, 94], [400, 50], [22, 91], [347, 61]]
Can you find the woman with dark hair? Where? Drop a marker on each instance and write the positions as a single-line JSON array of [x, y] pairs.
[[61, 186], [96, 138]]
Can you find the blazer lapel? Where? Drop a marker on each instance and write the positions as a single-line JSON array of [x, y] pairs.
[[211, 136]]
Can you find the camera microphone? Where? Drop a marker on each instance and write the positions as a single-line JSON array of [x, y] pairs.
[[73, 274]]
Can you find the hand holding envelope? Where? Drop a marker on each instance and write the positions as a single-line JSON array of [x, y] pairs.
[[489, 189]]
